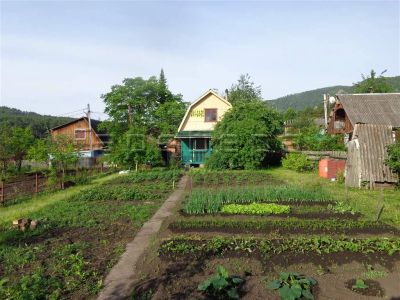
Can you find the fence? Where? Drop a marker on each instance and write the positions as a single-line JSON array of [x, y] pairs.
[[316, 155], [31, 184]]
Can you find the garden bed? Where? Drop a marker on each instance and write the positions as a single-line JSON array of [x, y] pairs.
[[178, 276], [289, 226], [78, 239]]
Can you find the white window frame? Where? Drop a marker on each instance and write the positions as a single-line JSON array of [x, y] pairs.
[[80, 129]]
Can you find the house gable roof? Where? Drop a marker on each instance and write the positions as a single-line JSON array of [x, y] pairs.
[[381, 109], [193, 104], [101, 133]]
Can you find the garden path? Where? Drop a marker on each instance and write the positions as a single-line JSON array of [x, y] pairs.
[[120, 280]]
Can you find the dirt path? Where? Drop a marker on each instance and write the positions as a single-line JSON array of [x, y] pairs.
[[119, 282]]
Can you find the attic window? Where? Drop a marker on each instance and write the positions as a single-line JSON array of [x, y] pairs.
[[210, 115], [80, 134]]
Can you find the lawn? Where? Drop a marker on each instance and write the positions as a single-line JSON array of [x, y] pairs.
[[81, 234], [274, 234]]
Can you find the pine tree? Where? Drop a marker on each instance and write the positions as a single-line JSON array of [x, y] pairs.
[[163, 88]]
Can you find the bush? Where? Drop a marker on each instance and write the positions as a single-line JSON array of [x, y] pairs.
[[393, 160], [245, 137], [298, 162]]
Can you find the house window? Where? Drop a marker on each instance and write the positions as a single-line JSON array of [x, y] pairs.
[[210, 115], [80, 134]]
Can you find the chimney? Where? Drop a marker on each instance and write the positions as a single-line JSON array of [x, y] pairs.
[[226, 94]]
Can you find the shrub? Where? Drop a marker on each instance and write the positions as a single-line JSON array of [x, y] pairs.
[[292, 286], [298, 162], [245, 137], [221, 285], [255, 209], [393, 160]]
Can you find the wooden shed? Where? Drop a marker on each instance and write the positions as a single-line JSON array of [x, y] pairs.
[[90, 141], [366, 156], [351, 109]]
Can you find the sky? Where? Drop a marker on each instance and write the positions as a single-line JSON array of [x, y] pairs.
[[57, 56]]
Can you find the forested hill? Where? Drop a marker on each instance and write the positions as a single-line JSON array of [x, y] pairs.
[[313, 98], [40, 124]]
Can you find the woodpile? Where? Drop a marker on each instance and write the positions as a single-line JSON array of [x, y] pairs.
[[23, 224]]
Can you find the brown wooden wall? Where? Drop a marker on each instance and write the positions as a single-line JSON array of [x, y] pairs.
[[70, 131], [348, 127]]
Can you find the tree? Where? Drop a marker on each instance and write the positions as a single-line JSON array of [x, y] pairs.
[[5, 149], [147, 104], [393, 160], [311, 138], [373, 84], [133, 148], [244, 91], [245, 137], [39, 151], [14, 145]]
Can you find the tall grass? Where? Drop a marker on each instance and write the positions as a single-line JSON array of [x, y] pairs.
[[206, 201]]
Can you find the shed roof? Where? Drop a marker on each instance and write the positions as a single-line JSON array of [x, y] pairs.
[[372, 144], [381, 109]]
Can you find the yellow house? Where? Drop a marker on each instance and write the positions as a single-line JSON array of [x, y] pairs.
[[199, 121]]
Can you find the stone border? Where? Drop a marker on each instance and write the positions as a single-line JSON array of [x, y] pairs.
[[120, 280]]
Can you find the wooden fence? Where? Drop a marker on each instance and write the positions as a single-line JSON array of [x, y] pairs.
[[316, 155], [31, 184]]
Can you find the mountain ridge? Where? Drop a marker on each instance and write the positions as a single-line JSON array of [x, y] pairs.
[[312, 98]]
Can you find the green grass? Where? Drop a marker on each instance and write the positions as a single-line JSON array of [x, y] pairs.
[[27, 208], [367, 202]]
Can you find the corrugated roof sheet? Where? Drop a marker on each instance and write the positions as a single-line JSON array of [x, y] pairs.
[[372, 108], [373, 140]]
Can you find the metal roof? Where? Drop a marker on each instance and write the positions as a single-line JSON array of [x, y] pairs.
[[193, 134], [372, 108], [370, 146]]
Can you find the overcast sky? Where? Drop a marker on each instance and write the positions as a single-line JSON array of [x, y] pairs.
[[58, 56]]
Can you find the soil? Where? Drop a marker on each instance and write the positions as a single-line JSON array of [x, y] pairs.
[[374, 288], [100, 255], [178, 279]]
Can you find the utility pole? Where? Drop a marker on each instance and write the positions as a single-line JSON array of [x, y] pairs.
[[90, 128], [326, 103]]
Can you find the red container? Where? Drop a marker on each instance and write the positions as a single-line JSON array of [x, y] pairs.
[[329, 167]]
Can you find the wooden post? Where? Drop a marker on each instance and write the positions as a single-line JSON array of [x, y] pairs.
[[2, 191], [381, 206], [36, 183]]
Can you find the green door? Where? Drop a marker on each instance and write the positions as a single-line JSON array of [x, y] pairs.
[[195, 150]]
